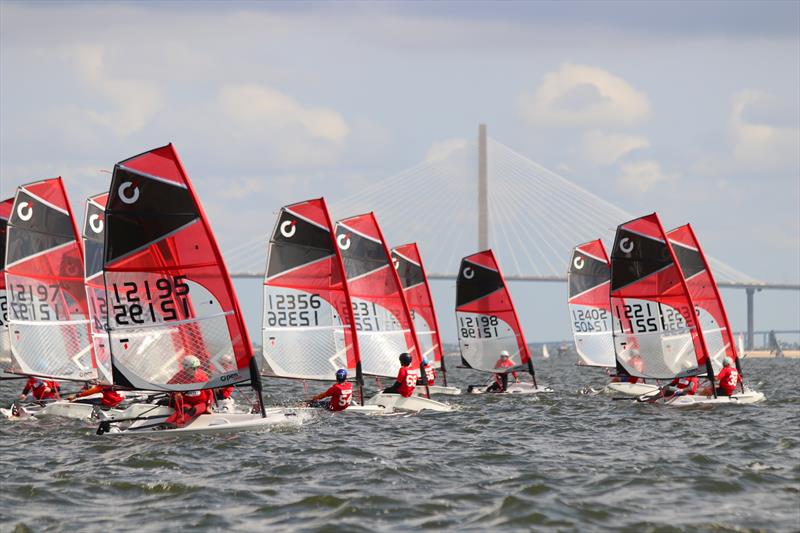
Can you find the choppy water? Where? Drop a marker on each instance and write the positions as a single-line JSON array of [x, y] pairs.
[[563, 462]]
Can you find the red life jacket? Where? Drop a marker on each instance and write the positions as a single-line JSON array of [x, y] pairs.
[[407, 380], [341, 395]]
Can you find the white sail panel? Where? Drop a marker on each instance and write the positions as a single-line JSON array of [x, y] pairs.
[[652, 339], [303, 334], [381, 338], [592, 331], [482, 338]]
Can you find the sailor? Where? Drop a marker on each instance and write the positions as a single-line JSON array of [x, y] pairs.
[[191, 404], [109, 400], [190, 372], [40, 389], [222, 396], [686, 386], [406, 379], [501, 378], [340, 394], [430, 372], [728, 378]]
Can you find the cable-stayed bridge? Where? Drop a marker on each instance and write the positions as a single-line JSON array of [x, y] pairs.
[[480, 194]]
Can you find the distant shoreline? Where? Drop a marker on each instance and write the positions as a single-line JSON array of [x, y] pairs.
[[764, 354]]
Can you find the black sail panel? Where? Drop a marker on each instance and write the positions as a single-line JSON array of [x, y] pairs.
[[635, 257], [296, 242], [475, 281], [142, 210], [689, 259], [591, 274], [410, 273], [360, 254]]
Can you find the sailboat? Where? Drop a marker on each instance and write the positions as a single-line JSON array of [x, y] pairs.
[[380, 311], [308, 332], [655, 330], [5, 341], [408, 263], [710, 313], [588, 279], [487, 323], [545, 352], [170, 297]]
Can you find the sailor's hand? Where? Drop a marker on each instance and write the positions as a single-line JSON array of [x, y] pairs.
[[71, 398], [22, 397]]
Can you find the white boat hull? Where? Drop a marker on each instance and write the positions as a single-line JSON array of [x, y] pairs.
[[355, 410], [513, 388], [740, 398], [622, 388], [412, 403], [215, 423], [437, 389]]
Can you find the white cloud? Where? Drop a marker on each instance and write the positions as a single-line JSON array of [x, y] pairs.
[[605, 148], [642, 176], [580, 95], [441, 150], [763, 138], [280, 127], [257, 106], [236, 189], [134, 102]]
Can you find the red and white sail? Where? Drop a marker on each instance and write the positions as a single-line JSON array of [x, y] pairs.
[[711, 314], [307, 329], [589, 279], [486, 319], [655, 331], [408, 263], [168, 292], [93, 246], [5, 342], [49, 319], [381, 314]]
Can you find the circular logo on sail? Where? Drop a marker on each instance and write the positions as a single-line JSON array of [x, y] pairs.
[[343, 241], [96, 223], [288, 228], [626, 245], [468, 273], [25, 211], [578, 263], [123, 192]]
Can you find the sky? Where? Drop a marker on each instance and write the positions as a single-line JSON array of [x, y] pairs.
[[690, 109]]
